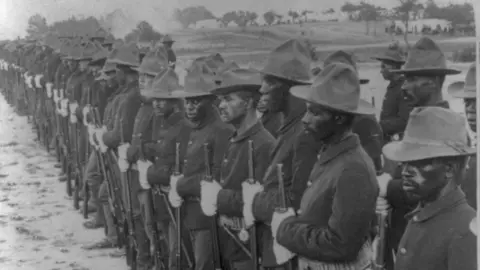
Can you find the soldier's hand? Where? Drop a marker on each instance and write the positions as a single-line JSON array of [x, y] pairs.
[[173, 197], [208, 196], [382, 205], [248, 193], [383, 181], [474, 226]]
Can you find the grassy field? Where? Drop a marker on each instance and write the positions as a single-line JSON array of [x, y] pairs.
[[233, 40]]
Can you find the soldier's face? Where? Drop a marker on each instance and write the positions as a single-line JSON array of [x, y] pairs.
[[163, 106], [385, 70], [424, 179], [232, 108], [144, 80], [417, 90], [471, 112], [196, 108], [263, 103], [275, 92], [319, 121]]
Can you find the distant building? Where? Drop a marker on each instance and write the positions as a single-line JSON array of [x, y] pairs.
[[417, 25]]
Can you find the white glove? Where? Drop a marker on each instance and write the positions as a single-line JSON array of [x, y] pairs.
[[85, 112], [29, 82], [248, 192], [38, 77], [61, 94], [382, 204], [122, 157], [474, 226], [55, 96], [208, 194], [73, 112], [99, 135], [282, 254], [91, 133], [173, 197], [64, 107], [142, 166], [49, 89], [383, 181]]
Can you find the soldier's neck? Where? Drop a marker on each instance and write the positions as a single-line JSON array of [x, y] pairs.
[[434, 100], [247, 122]]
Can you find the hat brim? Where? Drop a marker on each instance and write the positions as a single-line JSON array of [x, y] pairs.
[[459, 90], [102, 77], [303, 92], [186, 94], [362, 81], [294, 81], [118, 62], [388, 59], [141, 70], [150, 93], [401, 151], [235, 88], [432, 71]]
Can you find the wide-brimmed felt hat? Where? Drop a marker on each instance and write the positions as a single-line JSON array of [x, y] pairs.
[[154, 61], [234, 80], [164, 84], [102, 77], [100, 56], [197, 84], [336, 87], [426, 58], [392, 54], [209, 63], [343, 57], [431, 132], [86, 51], [126, 54], [289, 61], [167, 39], [467, 88]]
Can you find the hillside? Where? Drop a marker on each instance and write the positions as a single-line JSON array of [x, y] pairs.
[[266, 37]]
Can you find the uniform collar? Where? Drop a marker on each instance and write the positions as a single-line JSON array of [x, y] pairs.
[[330, 152], [442, 204], [235, 138], [296, 112]]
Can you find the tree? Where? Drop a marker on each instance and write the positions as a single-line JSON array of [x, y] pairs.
[[294, 15], [269, 17], [228, 18], [350, 9], [369, 13], [143, 32], [192, 15], [306, 12], [403, 11], [37, 26]]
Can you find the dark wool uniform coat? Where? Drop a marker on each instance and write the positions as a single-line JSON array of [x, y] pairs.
[[234, 171], [395, 111], [215, 133], [438, 236], [337, 209]]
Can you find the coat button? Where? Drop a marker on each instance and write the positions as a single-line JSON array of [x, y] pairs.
[[415, 218], [309, 183], [403, 251], [159, 141], [222, 181], [190, 142], [225, 161]]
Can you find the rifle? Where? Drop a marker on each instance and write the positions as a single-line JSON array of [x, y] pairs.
[[151, 208], [283, 201], [78, 167], [251, 180], [381, 240], [214, 229], [118, 212], [130, 224], [87, 155]]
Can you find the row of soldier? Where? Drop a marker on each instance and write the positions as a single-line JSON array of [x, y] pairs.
[[276, 168]]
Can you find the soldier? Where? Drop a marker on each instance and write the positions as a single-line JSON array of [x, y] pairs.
[[207, 130], [93, 177], [152, 64], [434, 153], [424, 74], [159, 161], [466, 90], [168, 42], [238, 94], [394, 114], [126, 58], [288, 65], [271, 121], [342, 185]]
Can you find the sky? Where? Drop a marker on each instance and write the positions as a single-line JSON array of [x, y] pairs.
[[14, 14]]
